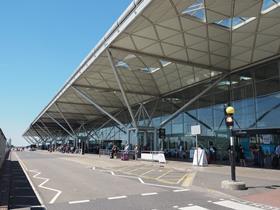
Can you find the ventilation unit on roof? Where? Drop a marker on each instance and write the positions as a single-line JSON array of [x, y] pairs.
[[235, 22], [196, 10]]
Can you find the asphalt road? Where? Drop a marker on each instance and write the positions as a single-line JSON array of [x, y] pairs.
[[62, 184]]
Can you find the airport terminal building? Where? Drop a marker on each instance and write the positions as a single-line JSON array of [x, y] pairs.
[[173, 64]]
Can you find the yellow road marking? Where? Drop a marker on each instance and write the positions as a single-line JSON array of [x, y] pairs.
[[189, 179]]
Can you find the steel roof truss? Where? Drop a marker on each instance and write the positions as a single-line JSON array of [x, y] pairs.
[[90, 100], [176, 113], [60, 125], [110, 57], [64, 118]]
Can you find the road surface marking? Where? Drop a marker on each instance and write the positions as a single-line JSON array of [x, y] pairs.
[[117, 197], [182, 178], [181, 190], [140, 180], [133, 170], [189, 179], [175, 207], [192, 208], [164, 174], [24, 168], [58, 192], [209, 201], [235, 205], [146, 172], [147, 194], [82, 201]]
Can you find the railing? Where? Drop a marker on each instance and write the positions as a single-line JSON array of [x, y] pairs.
[[3, 152]]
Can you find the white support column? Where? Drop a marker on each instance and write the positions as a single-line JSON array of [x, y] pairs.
[[110, 57], [90, 100], [64, 118], [60, 125]]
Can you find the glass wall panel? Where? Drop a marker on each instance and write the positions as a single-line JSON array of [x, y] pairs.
[[268, 110]]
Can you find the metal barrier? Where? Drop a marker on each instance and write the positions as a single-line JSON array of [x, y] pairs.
[[151, 155]]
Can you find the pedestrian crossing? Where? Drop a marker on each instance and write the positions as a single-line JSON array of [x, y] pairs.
[[227, 204]]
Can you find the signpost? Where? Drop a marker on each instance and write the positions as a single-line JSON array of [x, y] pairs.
[[196, 130]]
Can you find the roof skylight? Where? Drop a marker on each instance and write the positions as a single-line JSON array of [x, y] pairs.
[[122, 64], [164, 63], [235, 22], [196, 10], [150, 69], [269, 5]]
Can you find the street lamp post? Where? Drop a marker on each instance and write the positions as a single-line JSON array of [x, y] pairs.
[[229, 111]]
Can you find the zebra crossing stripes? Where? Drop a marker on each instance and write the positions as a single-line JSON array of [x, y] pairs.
[[226, 204], [193, 208], [236, 206]]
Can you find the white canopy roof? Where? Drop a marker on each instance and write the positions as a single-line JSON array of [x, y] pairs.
[[161, 46]]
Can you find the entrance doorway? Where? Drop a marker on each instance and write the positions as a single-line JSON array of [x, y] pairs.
[[146, 138]]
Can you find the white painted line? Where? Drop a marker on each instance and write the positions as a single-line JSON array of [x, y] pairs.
[[190, 204], [82, 201], [159, 185], [192, 208], [146, 172], [209, 201], [141, 180], [175, 207], [181, 190], [58, 192], [117, 197], [164, 174], [235, 205], [147, 194], [24, 168], [133, 170]]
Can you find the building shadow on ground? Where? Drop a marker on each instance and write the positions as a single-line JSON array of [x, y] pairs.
[[16, 191]]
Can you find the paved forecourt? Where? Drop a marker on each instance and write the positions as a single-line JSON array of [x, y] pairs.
[[63, 184]]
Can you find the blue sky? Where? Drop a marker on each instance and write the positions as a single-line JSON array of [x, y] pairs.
[[41, 44]]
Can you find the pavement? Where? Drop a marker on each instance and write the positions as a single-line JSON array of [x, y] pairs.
[[74, 181]]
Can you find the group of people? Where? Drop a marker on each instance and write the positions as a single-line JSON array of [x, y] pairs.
[[259, 156], [115, 150]]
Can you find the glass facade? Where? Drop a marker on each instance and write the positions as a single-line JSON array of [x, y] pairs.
[[254, 93]]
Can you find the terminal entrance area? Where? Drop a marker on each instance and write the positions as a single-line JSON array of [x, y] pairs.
[[259, 147]]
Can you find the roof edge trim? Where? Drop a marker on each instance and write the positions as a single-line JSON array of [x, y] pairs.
[[133, 10]]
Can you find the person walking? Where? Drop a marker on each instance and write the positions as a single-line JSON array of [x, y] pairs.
[[136, 151], [242, 156]]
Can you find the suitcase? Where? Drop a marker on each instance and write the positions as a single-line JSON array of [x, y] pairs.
[[275, 162], [124, 156]]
